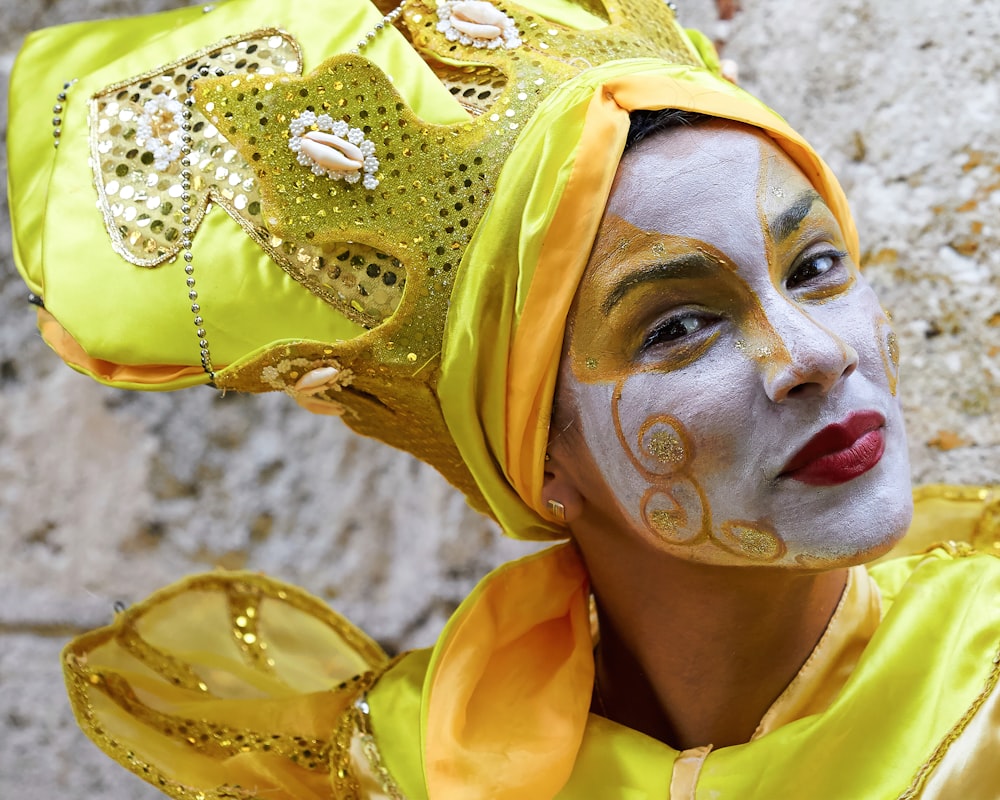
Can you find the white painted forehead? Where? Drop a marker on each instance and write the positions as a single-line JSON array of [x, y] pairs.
[[701, 182]]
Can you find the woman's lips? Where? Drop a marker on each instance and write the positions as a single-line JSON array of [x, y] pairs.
[[841, 452]]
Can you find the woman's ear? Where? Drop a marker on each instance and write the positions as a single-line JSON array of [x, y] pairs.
[[562, 499]]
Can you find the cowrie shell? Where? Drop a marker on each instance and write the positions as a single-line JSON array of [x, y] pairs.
[[316, 380], [332, 152], [478, 19]]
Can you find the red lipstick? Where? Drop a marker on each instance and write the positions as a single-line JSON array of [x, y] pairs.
[[840, 452]]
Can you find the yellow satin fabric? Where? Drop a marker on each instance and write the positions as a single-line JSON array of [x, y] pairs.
[[120, 314], [504, 336], [507, 683]]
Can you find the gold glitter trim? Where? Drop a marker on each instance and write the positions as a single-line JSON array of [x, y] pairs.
[[357, 769], [166, 665], [244, 610], [172, 80], [952, 736]]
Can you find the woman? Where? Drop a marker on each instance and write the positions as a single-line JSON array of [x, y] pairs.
[[752, 606]]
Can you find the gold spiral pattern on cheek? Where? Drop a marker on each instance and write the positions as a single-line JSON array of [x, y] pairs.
[[663, 445], [675, 508], [675, 513], [754, 540]]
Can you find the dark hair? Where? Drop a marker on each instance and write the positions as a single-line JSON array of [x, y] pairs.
[[643, 122]]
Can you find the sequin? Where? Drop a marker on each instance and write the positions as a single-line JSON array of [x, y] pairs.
[[139, 165], [359, 771]]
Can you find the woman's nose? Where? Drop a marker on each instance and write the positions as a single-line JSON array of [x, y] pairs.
[[813, 362]]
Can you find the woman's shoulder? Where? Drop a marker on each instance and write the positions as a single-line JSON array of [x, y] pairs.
[[232, 684]]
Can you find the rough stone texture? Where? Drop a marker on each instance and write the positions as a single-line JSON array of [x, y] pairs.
[[105, 495]]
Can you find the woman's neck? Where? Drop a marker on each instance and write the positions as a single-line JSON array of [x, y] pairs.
[[693, 654]]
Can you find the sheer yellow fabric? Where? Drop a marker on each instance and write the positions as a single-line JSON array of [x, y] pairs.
[[225, 685], [899, 700]]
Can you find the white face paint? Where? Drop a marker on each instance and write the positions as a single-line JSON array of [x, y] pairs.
[[731, 372]]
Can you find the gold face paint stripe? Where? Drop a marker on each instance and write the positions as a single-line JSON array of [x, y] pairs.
[[888, 347]]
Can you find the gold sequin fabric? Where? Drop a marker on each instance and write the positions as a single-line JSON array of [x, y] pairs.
[[358, 770], [219, 684], [137, 135]]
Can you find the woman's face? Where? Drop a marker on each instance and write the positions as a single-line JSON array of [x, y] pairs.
[[731, 375]]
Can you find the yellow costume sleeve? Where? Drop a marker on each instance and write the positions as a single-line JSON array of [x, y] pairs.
[[230, 685]]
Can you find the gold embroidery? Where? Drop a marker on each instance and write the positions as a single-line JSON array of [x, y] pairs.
[[135, 146], [139, 192], [358, 772]]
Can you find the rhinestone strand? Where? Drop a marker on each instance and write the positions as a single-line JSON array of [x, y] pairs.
[[57, 111], [388, 19], [187, 231]]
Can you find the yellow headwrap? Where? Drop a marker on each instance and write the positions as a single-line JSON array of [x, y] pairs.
[[504, 337], [494, 167]]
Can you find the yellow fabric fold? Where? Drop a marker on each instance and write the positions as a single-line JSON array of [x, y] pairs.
[[508, 688], [833, 659], [504, 336], [141, 376]]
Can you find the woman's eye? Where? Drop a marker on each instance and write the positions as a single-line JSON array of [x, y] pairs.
[[675, 328], [813, 267]]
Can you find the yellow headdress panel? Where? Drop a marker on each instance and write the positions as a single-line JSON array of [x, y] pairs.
[[395, 232]]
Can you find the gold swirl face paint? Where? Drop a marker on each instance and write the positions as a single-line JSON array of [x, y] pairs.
[[731, 373]]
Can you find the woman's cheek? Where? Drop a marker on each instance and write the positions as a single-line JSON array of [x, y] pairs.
[[869, 330], [888, 349]]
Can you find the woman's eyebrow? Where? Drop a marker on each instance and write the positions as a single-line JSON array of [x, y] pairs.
[[784, 224], [688, 265]]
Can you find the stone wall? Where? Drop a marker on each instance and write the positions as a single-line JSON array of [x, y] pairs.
[[106, 495]]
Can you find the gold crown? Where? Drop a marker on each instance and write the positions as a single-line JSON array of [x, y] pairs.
[[381, 244]]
